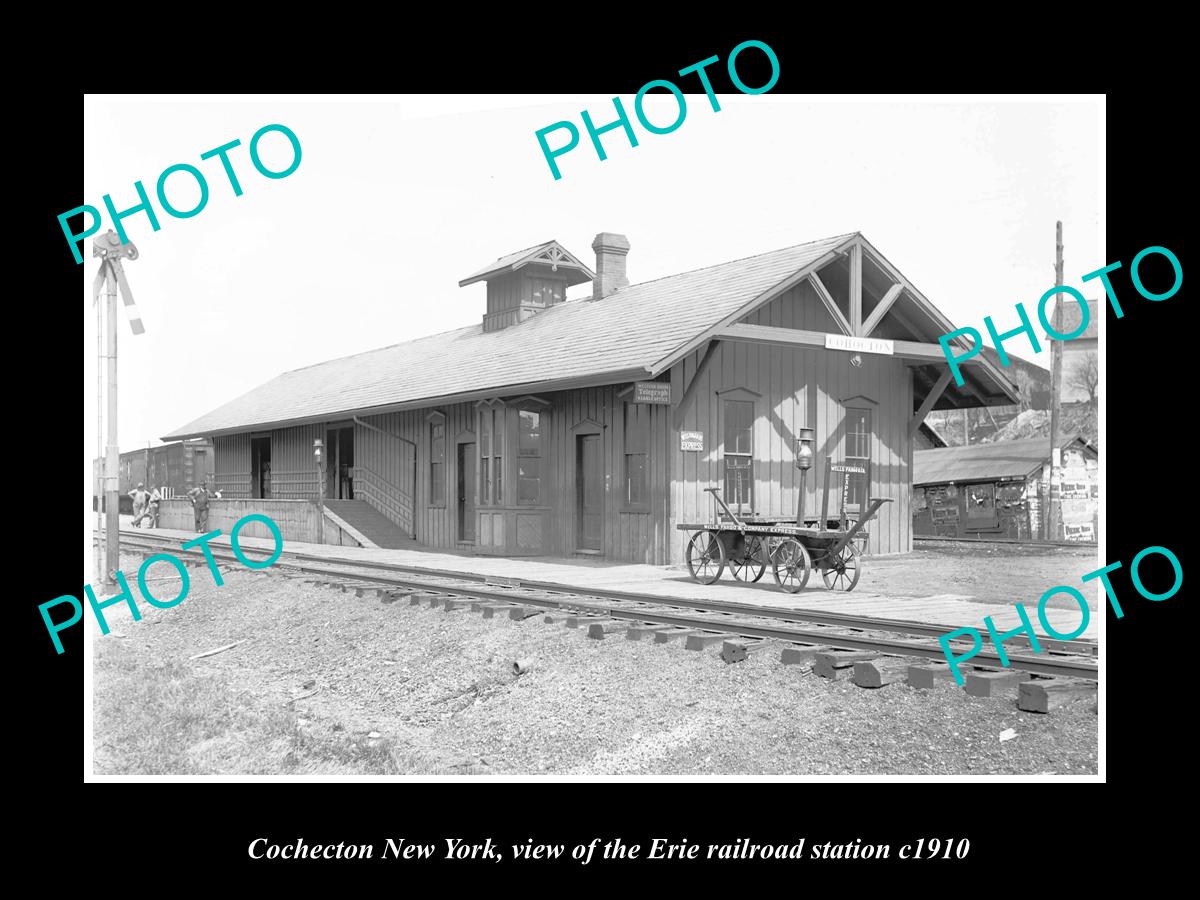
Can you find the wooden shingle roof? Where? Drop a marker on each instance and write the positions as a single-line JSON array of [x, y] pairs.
[[619, 337], [635, 332]]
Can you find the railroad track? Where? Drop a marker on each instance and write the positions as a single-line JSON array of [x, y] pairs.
[[874, 651]]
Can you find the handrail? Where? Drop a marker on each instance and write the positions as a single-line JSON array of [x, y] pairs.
[[375, 476]]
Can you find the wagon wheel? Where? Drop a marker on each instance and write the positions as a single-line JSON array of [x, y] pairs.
[[705, 557], [844, 569], [752, 563], [792, 565]]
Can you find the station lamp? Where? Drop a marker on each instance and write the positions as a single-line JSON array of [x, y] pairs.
[[806, 440], [318, 453]]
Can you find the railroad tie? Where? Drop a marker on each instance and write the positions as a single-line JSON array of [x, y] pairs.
[[643, 629], [489, 612], [739, 649], [481, 605], [669, 634], [926, 676], [452, 603], [1044, 694], [875, 673], [555, 618], [698, 640], [801, 654], [837, 664], [521, 613], [391, 596], [994, 684], [598, 630], [434, 600]]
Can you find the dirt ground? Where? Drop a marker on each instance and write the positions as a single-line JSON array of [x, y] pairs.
[[323, 683], [986, 573]]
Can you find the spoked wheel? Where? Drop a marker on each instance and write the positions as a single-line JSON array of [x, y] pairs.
[[844, 569], [752, 563], [792, 565], [705, 557]]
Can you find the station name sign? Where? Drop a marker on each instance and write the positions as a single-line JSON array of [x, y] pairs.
[[859, 344], [652, 392]]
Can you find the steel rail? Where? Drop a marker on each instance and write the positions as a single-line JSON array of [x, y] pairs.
[[1077, 668], [818, 617]]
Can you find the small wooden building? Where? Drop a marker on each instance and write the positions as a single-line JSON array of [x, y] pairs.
[[999, 489], [593, 426]]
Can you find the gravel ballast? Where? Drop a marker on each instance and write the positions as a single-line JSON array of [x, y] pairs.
[[325, 683]]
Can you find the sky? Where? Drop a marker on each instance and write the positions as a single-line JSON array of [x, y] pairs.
[[398, 198]]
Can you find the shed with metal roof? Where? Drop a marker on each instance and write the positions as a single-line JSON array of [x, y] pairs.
[[999, 490]]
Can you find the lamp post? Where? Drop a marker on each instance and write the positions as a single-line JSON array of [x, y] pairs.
[[805, 441], [319, 456]]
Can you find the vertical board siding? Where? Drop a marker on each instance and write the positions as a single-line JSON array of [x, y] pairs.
[[294, 471], [383, 468], [231, 467], [799, 387]]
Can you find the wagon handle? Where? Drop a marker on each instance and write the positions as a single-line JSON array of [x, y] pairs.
[[845, 539], [716, 492]]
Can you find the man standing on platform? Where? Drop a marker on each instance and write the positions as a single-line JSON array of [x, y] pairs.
[[140, 499], [199, 497], [155, 500]]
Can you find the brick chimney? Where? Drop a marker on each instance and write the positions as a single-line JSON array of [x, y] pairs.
[[611, 250]]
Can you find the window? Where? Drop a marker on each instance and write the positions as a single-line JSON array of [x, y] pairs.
[[547, 292], [637, 442], [529, 458], [981, 501], [491, 456], [739, 453], [437, 462], [858, 453]]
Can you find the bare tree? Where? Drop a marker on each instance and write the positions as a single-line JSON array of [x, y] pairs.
[[1086, 377]]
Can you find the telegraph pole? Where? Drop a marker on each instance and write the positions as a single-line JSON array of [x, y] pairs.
[[112, 524], [111, 277], [99, 482], [1056, 349]]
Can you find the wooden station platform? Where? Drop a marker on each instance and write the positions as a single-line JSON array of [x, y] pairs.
[[870, 598]]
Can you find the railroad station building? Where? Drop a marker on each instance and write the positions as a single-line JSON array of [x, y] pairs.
[[593, 426]]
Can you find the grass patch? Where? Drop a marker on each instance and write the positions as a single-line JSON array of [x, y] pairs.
[[165, 720]]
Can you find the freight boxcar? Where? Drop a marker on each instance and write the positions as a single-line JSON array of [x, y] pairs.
[[178, 467]]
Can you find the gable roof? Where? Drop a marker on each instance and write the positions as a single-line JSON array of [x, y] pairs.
[[551, 253], [635, 332], [985, 462], [931, 434]]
